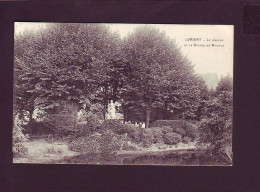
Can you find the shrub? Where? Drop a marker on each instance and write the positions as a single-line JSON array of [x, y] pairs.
[[176, 125], [94, 121], [167, 129], [111, 124], [172, 138], [147, 137], [108, 142], [83, 129], [128, 146], [86, 144], [191, 131], [117, 127], [179, 126], [186, 140], [123, 129], [136, 135], [170, 123], [180, 131], [19, 149], [158, 134]]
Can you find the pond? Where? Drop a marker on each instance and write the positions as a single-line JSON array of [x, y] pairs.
[[183, 158]]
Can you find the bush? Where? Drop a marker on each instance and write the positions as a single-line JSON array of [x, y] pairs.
[[172, 138], [19, 149], [191, 131], [111, 124], [186, 140], [158, 133], [94, 121], [123, 129], [178, 126], [119, 128], [136, 135], [128, 146], [108, 142], [86, 144], [167, 129], [180, 131], [170, 123], [83, 129], [147, 137]]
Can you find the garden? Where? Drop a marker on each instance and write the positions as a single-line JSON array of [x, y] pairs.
[[67, 75]]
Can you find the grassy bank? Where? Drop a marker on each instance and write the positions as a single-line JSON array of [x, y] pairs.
[[42, 151]]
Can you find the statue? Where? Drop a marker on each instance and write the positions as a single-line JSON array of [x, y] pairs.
[[111, 110]]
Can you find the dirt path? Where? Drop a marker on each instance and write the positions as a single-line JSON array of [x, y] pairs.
[[42, 151]]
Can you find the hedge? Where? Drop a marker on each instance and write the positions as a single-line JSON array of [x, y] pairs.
[[186, 140], [171, 123], [172, 138], [136, 135], [85, 144], [111, 124], [178, 126], [119, 128], [105, 143], [158, 134]]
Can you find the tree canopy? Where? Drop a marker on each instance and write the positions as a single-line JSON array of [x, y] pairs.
[[71, 62], [158, 75], [87, 63]]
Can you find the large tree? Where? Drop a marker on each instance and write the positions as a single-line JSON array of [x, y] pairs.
[[159, 76], [65, 62]]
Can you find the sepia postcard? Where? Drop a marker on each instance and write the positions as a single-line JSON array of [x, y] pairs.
[[123, 94]]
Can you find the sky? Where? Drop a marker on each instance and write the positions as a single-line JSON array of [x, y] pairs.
[[211, 59]]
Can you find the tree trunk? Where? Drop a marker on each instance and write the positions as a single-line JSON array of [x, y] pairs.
[[75, 110], [31, 110], [30, 117], [147, 121], [104, 111], [124, 116]]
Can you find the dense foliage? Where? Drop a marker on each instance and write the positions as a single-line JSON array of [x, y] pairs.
[[105, 143], [158, 77], [69, 63], [179, 126], [19, 148], [216, 124], [84, 64], [172, 138]]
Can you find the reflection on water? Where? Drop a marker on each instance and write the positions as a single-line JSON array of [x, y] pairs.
[[176, 159]]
